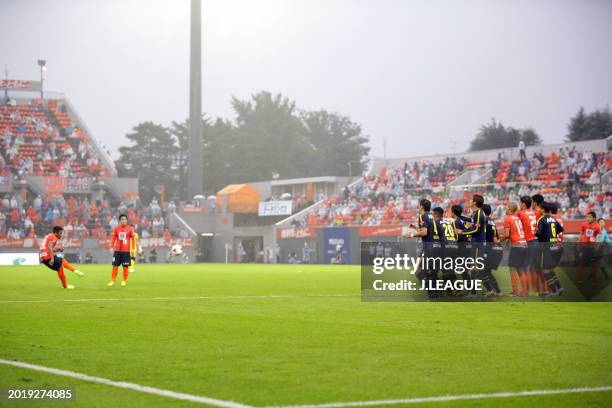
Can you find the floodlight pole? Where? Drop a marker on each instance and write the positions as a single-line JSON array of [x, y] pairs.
[[6, 73], [42, 64], [196, 170]]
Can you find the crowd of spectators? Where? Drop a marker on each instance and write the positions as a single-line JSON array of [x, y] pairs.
[[569, 177], [568, 166], [384, 198], [41, 140], [81, 217]]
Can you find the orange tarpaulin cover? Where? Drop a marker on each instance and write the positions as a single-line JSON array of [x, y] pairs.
[[241, 198]]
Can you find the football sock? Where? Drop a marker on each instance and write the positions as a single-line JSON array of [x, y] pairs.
[[534, 280], [62, 276], [476, 275], [125, 273], [524, 284], [552, 280], [115, 272], [448, 276], [486, 281], [514, 277], [495, 284], [67, 265]]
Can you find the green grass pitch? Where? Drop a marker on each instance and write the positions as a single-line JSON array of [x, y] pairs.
[[290, 334]]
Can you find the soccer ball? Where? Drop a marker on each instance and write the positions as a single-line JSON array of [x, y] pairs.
[[176, 250]]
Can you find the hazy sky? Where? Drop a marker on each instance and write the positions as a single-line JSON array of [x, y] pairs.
[[421, 74]]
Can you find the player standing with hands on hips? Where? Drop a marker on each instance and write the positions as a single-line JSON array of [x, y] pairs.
[[121, 243]]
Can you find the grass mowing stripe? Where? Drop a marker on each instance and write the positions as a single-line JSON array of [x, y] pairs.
[[447, 398], [130, 386], [175, 298]]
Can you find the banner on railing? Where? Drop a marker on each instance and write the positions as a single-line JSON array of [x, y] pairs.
[[19, 258], [20, 85], [267, 208], [154, 242], [383, 231], [78, 185], [296, 233], [75, 243], [73, 185]]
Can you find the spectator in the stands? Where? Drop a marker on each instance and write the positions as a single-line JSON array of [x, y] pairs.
[[521, 147]]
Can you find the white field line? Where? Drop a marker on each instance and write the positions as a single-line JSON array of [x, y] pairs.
[[446, 398], [127, 299], [232, 404], [130, 386]]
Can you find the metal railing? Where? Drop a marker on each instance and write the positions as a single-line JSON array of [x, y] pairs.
[[313, 207]]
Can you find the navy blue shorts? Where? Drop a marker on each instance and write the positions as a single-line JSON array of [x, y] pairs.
[[495, 253], [587, 253], [550, 255], [533, 254], [57, 262], [517, 257], [121, 258]]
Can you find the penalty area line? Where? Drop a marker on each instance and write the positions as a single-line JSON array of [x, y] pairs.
[[127, 385], [418, 400]]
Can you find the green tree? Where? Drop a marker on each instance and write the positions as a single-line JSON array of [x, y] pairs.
[[223, 163], [271, 138], [494, 135], [150, 159], [339, 145], [595, 125], [268, 136]]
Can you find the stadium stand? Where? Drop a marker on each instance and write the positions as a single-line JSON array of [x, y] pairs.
[[44, 140], [568, 176]]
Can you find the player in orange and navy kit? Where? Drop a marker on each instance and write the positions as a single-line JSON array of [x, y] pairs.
[[529, 219], [50, 253], [121, 244], [475, 232], [492, 256], [513, 231], [588, 242], [548, 228], [556, 213]]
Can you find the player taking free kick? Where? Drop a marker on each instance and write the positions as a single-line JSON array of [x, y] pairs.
[[51, 255], [121, 243]]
